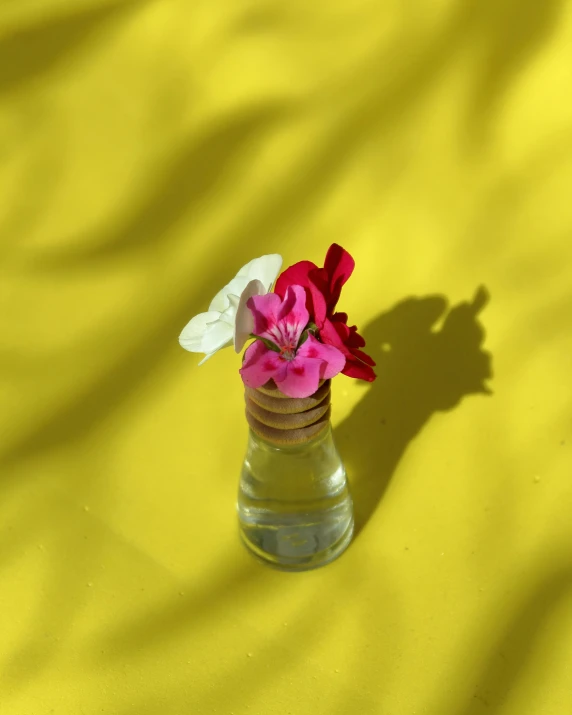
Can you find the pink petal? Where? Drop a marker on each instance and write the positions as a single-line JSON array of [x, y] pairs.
[[260, 365], [302, 378], [332, 359], [265, 309], [292, 315]]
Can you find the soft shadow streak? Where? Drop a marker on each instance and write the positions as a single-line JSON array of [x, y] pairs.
[[31, 52], [513, 651]]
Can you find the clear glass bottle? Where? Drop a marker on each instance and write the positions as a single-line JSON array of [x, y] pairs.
[[294, 507]]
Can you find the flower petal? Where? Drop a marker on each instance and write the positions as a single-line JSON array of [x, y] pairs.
[[355, 340], [359, 370], [301, 379], [349, 335], [229, 315], [342, 337], [364, 357], [265, 309], [221, 301], [191, 337], [339, 265], [233, 301], [298, 274], [217, 335], [244, 322], [206, 333], [309, 276], [320, 291], [265, 269], [260, 365], [323, 285], [333, 360], [293, 314], [207, 357], [329, 335], [339, 317]]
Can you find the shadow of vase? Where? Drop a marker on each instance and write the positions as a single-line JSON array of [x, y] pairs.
[[429, 357]]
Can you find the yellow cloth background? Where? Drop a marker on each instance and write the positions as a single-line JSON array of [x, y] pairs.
[[149, 148]]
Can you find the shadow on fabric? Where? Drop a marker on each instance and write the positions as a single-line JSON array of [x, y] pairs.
[[423, 367], [516, 647], [31, 52]]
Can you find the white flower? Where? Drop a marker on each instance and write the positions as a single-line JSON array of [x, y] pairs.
[[228, 319]]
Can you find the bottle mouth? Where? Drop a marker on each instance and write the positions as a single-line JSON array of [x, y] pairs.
[[273, 445]]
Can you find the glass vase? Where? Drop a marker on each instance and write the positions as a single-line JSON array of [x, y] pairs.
[[295, 511]]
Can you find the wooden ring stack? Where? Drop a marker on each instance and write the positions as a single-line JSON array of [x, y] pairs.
[[283, 420]]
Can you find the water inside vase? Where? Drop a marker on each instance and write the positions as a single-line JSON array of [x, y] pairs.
[[294, 507]]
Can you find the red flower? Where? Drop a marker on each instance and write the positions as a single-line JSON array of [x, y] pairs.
[[323, 288]]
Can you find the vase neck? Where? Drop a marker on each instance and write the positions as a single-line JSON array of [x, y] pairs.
[[283, 420]]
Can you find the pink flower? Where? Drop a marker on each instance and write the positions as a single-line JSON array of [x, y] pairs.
[[296, 369]]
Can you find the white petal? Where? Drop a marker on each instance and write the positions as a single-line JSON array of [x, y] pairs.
[[215, 329], [265, 269], [244, 322], [218, 335], [207, 333], [206, 357], [234, 301], [192, 334], [220, 302], [229, 315]]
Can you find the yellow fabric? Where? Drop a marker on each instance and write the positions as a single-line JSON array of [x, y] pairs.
[[149, 148]]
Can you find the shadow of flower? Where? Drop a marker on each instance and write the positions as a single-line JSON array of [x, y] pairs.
[[421, 370]]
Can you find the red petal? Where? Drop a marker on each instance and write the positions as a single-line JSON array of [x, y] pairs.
[[359, 370], [343, 331], [319, 291], [339, 266], [364, 357], [355, 340], [298, 275], [329, 336]]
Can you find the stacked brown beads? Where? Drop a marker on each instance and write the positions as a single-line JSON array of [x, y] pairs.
[[284, 420]]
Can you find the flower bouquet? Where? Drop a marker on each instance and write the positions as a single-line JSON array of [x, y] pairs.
[[294, 506]]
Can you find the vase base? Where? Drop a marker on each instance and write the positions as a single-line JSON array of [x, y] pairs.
[[306, 544]]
